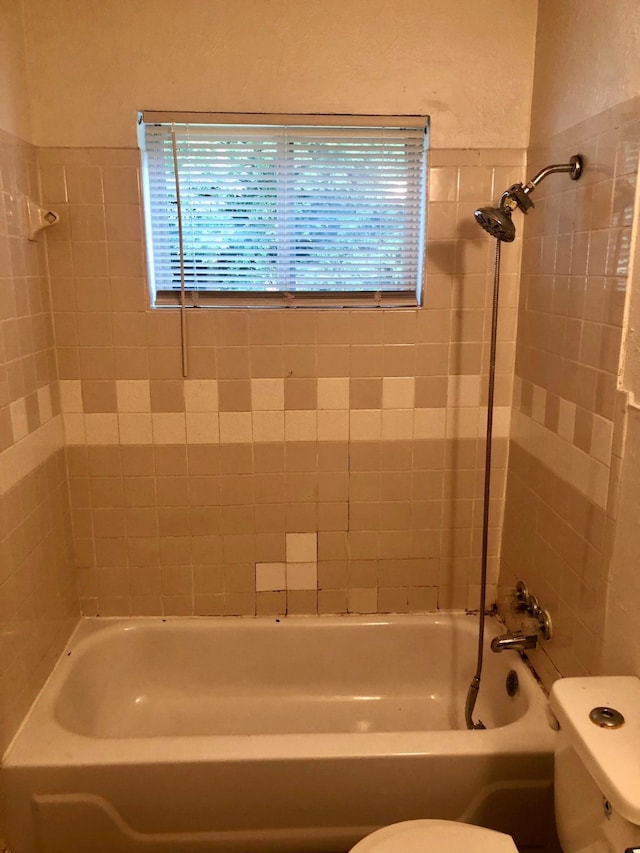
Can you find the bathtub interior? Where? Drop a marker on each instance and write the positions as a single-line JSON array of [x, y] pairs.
[[255, 736], [160, 678]]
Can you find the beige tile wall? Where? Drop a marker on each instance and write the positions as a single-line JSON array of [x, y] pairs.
[[363, 428], [566, 431], [38, 597]]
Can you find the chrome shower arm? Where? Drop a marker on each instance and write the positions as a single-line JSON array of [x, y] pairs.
[[573, 167]]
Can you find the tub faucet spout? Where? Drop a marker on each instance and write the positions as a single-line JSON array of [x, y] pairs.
[[517, 642]]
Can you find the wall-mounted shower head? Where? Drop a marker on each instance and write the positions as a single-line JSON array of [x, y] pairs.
[[497, 220]]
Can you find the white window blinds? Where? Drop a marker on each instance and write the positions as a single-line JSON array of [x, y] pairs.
[[280, 208]]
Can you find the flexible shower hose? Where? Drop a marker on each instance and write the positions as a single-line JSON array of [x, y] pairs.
[[474, 687]]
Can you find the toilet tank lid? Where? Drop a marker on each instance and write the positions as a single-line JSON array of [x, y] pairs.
[[612, 756], [426, 836]]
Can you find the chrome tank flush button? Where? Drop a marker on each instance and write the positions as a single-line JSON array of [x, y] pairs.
[[606, 718]]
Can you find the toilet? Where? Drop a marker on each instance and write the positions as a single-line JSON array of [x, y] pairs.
[[596, 780]]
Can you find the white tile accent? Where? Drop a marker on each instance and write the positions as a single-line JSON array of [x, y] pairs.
[[566, 419], [268, 426], [19, 424], [271, 577], [19, 460], [201, 395], [582, 471], [101, 428], [135, 428], [538, 404], [333, 425], [599, 483], [302, 547], [74, 431], [463, 423], [397, 424], [302, 575], [463, 390], [133, 395], [71, 395], [169, 427], [602, 439], [501, 422], [398, 392], [365, 424], [429, 423], [202, 428], [333, 393], [267, 395], [301, 425], [235, 427]]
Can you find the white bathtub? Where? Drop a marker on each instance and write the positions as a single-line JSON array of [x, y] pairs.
[[266, 736]]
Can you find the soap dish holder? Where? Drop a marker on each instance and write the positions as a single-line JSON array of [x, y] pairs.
[[38, 218]]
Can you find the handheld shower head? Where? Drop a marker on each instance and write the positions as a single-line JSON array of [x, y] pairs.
[[497, 220]]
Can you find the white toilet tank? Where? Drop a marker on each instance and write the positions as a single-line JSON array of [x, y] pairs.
[[597, 769]]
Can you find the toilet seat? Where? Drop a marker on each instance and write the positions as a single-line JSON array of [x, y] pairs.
[[435, 836]]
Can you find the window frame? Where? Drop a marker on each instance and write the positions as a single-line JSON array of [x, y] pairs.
[[188, 297]]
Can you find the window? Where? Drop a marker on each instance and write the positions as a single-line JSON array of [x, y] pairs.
[[298, 210]]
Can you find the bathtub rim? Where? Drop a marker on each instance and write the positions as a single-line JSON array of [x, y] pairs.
[[41, 741]]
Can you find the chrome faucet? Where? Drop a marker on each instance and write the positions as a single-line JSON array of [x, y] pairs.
[[525, 603], [517, 642]]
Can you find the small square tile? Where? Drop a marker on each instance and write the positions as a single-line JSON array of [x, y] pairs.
[[133, 395], [271, 603], [235, 427], [268, 426], [201, 395], [202, 428], [167, 395], [234, 395], [302, 575], [462, 423], [70, 395], [333, 393], [102, 429], [463, 390], [301, 426], [362, 600], [74, 431], [332, 601], [271, 576], [300, 394], [398, 392], [566, 419], [333, 425], [602, 439], [302, 602], [169, 428], [397, 424], [302, 547], [19, 423], [99, 395], [267, 395], [135, 428], [365, 425], [429, 423], [365, 393]]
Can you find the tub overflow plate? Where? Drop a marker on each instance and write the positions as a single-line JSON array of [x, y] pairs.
[[606, 718]]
